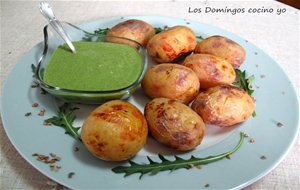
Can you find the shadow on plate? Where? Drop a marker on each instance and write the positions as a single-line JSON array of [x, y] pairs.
[[153, 147], [213, 130], [140, 98], [86, 158]]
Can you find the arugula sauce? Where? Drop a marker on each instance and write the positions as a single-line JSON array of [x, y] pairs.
[[96, 66]]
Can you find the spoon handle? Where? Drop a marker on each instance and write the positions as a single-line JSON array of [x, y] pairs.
[[46, 10]]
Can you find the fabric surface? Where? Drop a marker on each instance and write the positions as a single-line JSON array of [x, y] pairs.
[[277, 35]]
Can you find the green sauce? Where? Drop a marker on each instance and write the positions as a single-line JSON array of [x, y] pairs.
[[96, 66]]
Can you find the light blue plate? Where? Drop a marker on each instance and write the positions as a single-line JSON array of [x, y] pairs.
[[276, 101]]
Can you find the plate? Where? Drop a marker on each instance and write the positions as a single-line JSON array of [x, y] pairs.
[[276, 102]]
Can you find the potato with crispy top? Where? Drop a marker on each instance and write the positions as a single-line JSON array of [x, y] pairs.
[[224, 105], [168, 45], [114, 131], [174, 124], [211, 70], [222, 47], [171, 81], [136, 30]]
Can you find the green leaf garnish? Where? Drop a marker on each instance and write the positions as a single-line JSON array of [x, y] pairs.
[[154, 167], [100, 31], [65, 118], [245, 83], [158, 30], [33, 68], [200, 38]]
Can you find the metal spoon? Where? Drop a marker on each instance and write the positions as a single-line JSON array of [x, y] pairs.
[[46, 10]]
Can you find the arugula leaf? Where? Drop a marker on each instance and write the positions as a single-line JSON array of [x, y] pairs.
[[33, 68], [200, 38], [154, 167], [245, 83], [158, 30], [100, 31], [65, 118]]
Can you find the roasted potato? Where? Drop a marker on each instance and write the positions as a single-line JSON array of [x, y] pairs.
[[211, 70], [136, 30], [222, 47], [168, 45], [224, 105], [171, 81], [114, 131], [174, 124]]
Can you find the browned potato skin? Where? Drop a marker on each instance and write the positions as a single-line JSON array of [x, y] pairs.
[[136, 30], [224, 105], [171, 81], [114, 131], [211, 70], [168, 45], [222, 47], [174, 124]]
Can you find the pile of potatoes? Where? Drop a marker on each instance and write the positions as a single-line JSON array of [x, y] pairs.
[[184, 95]]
